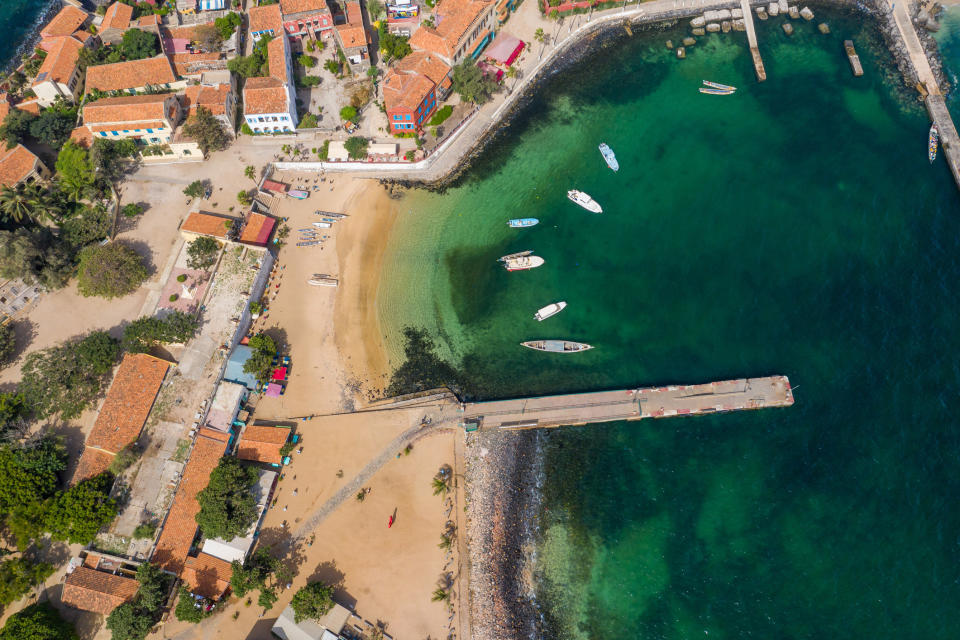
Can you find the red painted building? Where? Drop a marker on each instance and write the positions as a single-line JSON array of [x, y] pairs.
[[411, 90], [305, 17]]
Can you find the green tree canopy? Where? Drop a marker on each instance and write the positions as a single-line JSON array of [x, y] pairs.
[[75, 170], [126, 622], [260, 363], [190, 609], [202, 252], [19, 575], [227, 507], [28, 202], [16, 127], [356, 147], [37, 622], [228, 24], [66, 378], [137, 44], [112, 158], [144, 333], [36, 256], [133, 620], [194, 189], [348, 113], [471, 83], [154, 584], [77, 514], [88, 225], [8, 345], [253, 65], [253, 573], [312, 602], [53, 127], [110, 271], [207, 130], [30, 472], [393, 46]]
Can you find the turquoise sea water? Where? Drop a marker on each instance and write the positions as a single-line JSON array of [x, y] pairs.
[[18, 19], [793, 228]]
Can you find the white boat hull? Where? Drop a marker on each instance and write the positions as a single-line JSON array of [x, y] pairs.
[[523, 263], [549, 311]]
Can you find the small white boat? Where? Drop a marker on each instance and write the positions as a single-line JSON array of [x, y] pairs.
[[322, 280], [609, 156], [717, 92], [585, 201], [717, 85], [322, 225], [556, 346], [522, 263], [549, 310]]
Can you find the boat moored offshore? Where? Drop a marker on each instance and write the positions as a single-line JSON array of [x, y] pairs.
[[609, 156], [717, 92], [933, 140], [557, 346], [549, 310], [717, 85], [585, 201], [520, 223], [522, 263]]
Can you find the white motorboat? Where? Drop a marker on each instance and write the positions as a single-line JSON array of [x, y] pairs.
[[557, 346], [522, 263], [549, 310], [585, 201]]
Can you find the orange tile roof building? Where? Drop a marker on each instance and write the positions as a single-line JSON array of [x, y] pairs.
[[263, 444], [20, 166], [303, 18], [134, 75], [257, 229], [115, 21], [354, 38], [67, 22], [97, 591], [180, 527], [123, 413], [207, 575], [59, 75], [265, 21], [412, 88], [220, 99], [269, 104], [463, 27], [150, 119], [198, 223]]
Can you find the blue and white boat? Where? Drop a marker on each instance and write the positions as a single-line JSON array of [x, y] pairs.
[[609, 156], [519, 223]]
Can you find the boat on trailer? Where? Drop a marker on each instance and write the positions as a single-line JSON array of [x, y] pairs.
[[520, 223], [933, 140], [549, 311], [557, 346]]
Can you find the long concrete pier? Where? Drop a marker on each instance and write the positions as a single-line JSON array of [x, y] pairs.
[[752, 40], [936, 106], [628, 404]]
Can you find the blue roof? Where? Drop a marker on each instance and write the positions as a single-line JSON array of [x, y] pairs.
[[234, 371]]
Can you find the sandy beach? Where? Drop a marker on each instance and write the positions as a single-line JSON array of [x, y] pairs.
[[386, 575]]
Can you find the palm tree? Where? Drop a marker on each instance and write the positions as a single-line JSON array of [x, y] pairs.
[[445, 541], [512, 73], [440, 595], [20, 202], [250, 172], [440, 486], [539, 35]]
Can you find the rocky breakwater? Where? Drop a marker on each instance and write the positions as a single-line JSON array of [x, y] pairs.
[[503, 476], [926, 18]]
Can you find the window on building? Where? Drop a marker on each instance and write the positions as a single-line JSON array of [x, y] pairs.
[[114, 133], [149, 130], [103, 133]]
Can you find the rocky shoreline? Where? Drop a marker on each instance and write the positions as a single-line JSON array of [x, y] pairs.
[[502, 474]]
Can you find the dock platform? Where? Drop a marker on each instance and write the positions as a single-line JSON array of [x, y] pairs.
[[628, 404], [853, 57]]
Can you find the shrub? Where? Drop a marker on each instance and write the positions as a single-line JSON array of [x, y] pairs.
[[110, 271], [348, 113], [145, 531], [357, 147], [173, 297], [308, 82], [307, 61], [194, 189], [440, 116], [182, 277], [308, 121], [202, 252], [312, 602], [246, 130], [131, 210]]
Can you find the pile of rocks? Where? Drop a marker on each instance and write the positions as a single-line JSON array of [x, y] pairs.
[[722, 20]]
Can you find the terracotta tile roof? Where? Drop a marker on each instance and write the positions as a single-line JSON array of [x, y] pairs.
[[82, 136], [263, 444], [64, 23], [426, 63], [120, 76], [81, 36], [257, 229], [180, 528], [128, 402], [207, 575], [453, 19], [118, 16], [354, 13], [30, 106], [187, 63], [149, 20], [206, 224], [405, 90], [92, 463], [16, 164], [265, 18], [300, 6], [352, 35], [264, 95], [184, 32], [126, 109], [277, 52], [61, 61], [97, 591]]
